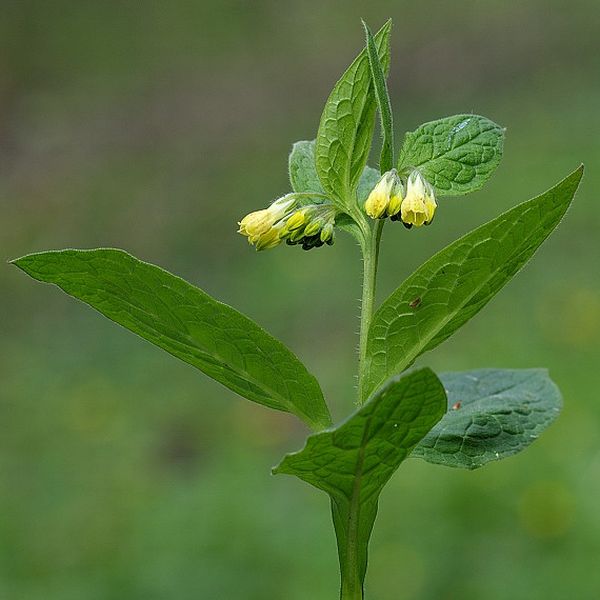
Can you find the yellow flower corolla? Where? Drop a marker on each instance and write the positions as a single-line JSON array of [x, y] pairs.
[[418, 206], [395, 203], [260, 226], [256, 223], [311, 225], [267, 240], [376, 205]]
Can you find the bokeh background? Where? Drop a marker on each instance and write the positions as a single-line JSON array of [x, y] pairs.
[[153, 126]]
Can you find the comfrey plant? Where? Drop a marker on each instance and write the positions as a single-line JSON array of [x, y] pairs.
[[455, 419]]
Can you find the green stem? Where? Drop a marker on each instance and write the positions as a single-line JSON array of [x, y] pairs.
[[352, 589], [370, 249]]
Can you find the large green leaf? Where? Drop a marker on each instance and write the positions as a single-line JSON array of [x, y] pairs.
[[457, 155], [346, 127], [187, 323], [354, 461], [384, 105], [457, 282], [493, 414]]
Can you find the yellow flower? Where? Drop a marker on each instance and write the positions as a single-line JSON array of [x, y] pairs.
[[376, 205], [310, 225], [418, 207], [395, 202], [267, 240], [261, 226], [256, 223]]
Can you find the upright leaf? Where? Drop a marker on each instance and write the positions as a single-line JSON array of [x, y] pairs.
[[384, 105], [354, 461], [457, 155], [347, 123], [458, 281], [187, 323], [493, 413]]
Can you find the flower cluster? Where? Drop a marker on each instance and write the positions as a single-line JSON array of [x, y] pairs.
[[413, 204], [310, 225]]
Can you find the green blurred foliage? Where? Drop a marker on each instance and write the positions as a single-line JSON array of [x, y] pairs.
[[154, 126]]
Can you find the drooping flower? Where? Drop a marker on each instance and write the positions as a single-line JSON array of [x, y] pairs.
[[418, 206], [377, 204], [311, 225]]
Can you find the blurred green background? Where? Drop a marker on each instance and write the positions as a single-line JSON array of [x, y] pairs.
[[153, 126]]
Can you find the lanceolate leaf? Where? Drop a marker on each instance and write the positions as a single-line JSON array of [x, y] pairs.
[[492, 414], [187, 323], [354, 461], [383, 103], [456, 283], [347, 124], [456, 154]]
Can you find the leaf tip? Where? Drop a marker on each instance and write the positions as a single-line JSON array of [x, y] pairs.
[[573, 179], [18, 262], [276, 470]]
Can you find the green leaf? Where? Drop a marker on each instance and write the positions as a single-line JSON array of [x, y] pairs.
[[368, 180], [187, 323], [355, 460], [304, 178], [493, 414], [302, 169], [456, 283], [346, 127], [384, 105], [457, 155]]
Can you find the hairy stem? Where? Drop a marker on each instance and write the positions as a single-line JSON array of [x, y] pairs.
[[370, 249]]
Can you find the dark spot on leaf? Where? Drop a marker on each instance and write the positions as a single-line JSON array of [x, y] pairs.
[[415, 303]]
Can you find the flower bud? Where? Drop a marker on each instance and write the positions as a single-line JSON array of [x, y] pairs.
[[313, 228], [296, 220], [327, 234], [311, 225]]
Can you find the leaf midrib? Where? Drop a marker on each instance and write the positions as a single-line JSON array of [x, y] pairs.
[[420, 347]]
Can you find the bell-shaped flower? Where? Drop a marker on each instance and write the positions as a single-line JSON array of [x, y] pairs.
[[418, 206], [376, 205], [261, 226]]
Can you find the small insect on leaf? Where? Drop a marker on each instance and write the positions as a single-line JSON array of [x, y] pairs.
[[415, 303], [456, 406]]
